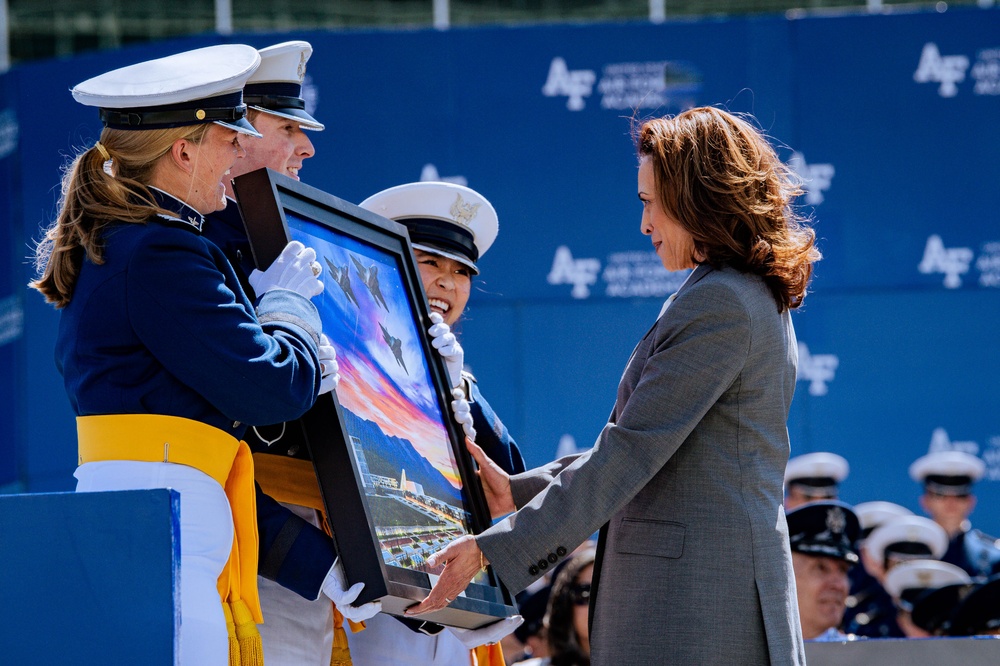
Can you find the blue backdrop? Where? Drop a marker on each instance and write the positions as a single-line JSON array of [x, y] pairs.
[[891, 119]]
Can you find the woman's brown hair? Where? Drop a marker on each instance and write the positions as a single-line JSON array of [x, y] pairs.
[[718, 176], [94, 197]]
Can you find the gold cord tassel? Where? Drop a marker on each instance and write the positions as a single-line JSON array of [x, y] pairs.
[[488, 655], [234, 645], [341, 653], [250, 649]]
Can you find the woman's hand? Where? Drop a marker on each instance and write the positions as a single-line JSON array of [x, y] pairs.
[[495, 482], [462, 560]]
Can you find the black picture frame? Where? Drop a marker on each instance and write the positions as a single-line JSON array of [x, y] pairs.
[[384, 415]]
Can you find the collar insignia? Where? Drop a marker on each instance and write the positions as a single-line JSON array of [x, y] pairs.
[[463, 212]]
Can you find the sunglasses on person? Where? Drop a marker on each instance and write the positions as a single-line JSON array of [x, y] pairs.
[[580, 594]]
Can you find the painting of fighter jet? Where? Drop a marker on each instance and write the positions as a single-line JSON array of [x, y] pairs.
[[396, 345], [370, 277], [343, 279]]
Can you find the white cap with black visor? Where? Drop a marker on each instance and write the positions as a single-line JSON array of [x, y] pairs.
[[191, 88]]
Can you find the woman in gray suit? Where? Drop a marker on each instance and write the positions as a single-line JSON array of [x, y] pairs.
[[685, 481]]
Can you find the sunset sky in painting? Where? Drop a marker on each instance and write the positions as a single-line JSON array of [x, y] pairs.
[[373, 385]]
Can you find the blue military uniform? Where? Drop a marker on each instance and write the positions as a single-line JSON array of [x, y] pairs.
[[954, 473], [491, 434], [977, 553], [162, 326]]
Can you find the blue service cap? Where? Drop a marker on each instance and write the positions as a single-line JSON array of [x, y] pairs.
[[276, 86], [190, 88], [979, 612], [828, 528]]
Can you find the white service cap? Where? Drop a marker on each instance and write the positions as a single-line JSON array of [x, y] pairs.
[[190, 88], [817, 473], [442, 218], [276, 86], [948, 472], [908, 580], [903, 537]]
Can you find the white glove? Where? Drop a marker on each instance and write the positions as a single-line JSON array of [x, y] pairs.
[[328, 367], [491, 633], [295, 269], [335, 586], [462, 412], [447, 345]]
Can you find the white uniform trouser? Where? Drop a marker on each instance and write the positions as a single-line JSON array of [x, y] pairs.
[[206, 541], [296, 631], [387, 642]]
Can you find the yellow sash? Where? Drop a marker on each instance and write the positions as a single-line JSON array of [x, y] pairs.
[[159, 438]]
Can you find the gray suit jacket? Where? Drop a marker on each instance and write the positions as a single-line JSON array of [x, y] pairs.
[[686, 479]]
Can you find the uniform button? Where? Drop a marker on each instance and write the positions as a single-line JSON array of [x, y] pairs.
[[532, 570], [236, 424], [552, 558], [543, 564], [560, 551]]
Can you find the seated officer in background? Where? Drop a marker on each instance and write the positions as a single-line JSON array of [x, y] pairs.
[[864, 586], [910, 580], [895, 541], [948, 477], [813, 476], [822, 537]]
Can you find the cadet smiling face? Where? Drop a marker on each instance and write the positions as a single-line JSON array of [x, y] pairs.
[[211, 161], [283, 148], [447, 283]]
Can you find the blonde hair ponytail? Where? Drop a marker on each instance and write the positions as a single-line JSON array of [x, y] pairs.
[[97, 192]]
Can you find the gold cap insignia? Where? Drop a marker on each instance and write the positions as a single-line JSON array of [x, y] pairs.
[[200, 114], [463, 212]]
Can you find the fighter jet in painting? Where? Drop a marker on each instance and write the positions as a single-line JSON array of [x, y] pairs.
[[370, 277], [396, 345], [343, 279]]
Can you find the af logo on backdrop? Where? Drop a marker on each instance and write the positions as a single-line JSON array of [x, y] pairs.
[[817, 369], [944, 70], [575, 84], [816, 178], [949, 70], [952, 261]]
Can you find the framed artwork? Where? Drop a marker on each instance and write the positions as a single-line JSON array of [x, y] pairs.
[[391, 463]]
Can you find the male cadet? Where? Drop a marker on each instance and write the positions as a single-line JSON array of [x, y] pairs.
[[813, 476], [948, 477], [296, 556], [864, 585], [908, 581], [895, 541], [822, 537]]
